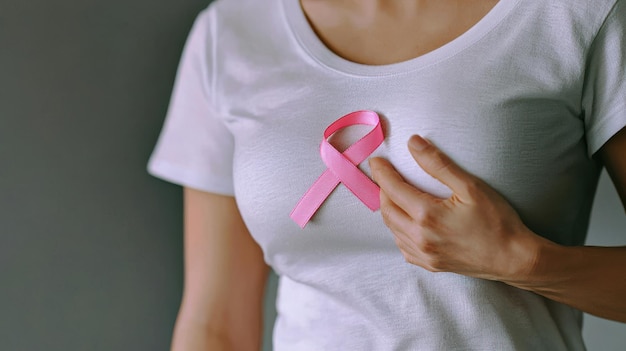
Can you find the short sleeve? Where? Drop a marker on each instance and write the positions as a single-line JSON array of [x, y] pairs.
[[194, 149], [604, 92]]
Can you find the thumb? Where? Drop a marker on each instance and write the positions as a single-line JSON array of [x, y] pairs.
[[441, 167]]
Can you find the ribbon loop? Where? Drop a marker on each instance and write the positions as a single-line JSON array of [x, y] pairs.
[[342, 167]]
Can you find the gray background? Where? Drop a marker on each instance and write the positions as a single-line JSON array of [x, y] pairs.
[[90, 245]]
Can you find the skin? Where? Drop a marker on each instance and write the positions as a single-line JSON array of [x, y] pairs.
[[374, 32], [224, 281], [495, 244], [225, 274]]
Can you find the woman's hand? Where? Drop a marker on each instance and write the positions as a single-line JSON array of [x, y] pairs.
[[474, 232]]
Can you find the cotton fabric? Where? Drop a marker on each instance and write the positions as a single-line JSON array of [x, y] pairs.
[[523, 100]]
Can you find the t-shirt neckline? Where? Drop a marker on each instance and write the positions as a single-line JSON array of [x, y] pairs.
[[313, 45]]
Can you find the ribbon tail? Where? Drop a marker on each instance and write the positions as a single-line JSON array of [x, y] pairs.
[[313, 198]]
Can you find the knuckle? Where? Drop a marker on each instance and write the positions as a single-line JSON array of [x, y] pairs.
[[434, 264], [428, 247], [408, 258], [411, 260], [473, 187], [423, 217]]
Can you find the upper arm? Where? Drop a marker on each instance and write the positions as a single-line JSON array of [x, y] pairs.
[[613, 155], [225, 273]]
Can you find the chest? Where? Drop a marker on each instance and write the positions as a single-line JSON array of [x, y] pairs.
[[511, 118], [530, 150]]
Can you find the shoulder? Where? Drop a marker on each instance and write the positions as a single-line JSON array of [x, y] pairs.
[[232, 25], [241, 40], [565, 25], [243, 14], [586, 15]]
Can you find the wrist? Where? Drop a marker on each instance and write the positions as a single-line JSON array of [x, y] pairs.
[[531, 261]]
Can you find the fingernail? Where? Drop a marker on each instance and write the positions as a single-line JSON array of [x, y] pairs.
[[418, 143], [372, 162]]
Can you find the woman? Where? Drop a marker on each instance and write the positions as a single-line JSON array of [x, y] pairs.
[[478, 241]]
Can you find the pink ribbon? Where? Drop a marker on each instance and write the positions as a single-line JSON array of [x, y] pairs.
[[342, 167]]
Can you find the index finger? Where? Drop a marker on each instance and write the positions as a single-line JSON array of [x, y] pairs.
[[440, 166], [403, 194]]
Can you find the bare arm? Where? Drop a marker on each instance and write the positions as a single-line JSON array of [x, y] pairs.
[[495, 244], [225, 277]]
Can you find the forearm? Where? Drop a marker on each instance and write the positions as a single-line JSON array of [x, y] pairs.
[[194, 336], [592, 279], [219, 328]]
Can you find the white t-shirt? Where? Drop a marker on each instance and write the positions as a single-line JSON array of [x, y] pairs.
[[522, 100]]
